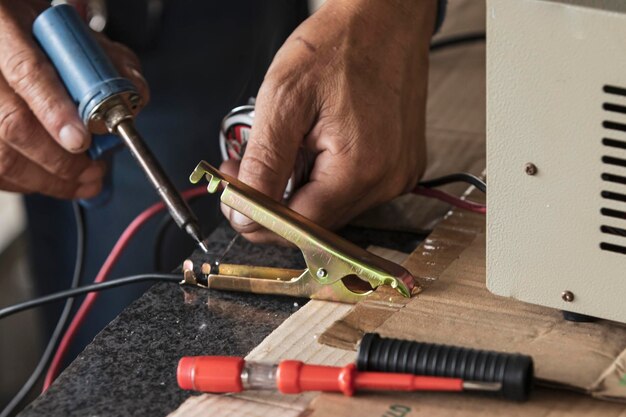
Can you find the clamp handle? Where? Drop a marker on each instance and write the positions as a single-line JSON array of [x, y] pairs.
[[329, 258]]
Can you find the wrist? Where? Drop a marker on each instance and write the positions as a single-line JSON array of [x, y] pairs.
[[415, 19], [380, 33]]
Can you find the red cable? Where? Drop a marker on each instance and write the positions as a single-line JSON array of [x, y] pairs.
[[451, 199], [109, 263]]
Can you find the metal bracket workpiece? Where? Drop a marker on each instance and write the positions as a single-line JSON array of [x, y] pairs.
[[332, 262]]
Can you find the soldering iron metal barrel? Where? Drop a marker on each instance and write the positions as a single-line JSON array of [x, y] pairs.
[[513, 371]]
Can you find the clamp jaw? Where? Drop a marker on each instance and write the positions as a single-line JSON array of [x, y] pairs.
[[337, 270]]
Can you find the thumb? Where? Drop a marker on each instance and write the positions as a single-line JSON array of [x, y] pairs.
[[281, 122]]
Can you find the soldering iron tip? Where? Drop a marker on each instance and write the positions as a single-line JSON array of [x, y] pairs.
[[193, 230], [203, 246]]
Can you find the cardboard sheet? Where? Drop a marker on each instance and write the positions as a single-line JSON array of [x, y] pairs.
[[455, 307], [449, 239]]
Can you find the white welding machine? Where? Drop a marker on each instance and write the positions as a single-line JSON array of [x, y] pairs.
[[556, 154]]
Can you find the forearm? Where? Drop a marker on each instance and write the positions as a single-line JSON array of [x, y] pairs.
[[400, 19]]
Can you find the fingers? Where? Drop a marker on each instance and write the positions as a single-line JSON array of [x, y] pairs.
[[12, 188], [42, 138], [338, 189], [251, 232], [20, 130], [21, 174], [231, 167], [330, 198], [30, 74], [127, 63], [281, 122], [319, 202]]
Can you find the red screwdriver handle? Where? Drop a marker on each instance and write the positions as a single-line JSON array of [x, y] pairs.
[[232, 374], [210, 373], [294, 377], [405, 382]]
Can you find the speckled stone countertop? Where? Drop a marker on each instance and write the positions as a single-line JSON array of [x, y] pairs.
[[130, 367]]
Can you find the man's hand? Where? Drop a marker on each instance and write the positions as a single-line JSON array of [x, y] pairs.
[[42, 139], [349, 85]]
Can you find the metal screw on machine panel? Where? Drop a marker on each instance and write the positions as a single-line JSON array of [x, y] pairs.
[[567, 296], [321, 273], [530, 168]]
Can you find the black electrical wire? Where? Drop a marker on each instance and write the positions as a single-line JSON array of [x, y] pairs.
[[457, 40], [458, 177], [73, 292], [44, 360]]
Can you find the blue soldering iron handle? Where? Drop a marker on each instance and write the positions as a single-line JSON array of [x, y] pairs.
[[86, 71], [89, 77], [102, 148]]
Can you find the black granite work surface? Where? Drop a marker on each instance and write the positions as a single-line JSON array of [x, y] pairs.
[[130, 367]]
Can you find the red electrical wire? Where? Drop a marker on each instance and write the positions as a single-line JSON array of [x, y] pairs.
[[451, 199], [110, 261]]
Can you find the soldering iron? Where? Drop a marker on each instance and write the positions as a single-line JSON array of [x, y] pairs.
[[107, 103]]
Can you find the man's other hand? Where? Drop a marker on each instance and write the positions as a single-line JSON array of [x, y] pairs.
[[349, 85]]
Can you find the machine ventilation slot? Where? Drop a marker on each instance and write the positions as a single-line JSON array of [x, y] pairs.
[[614, 126], [611, 160], [610, 195], [613, 213], [613, 248], [614, 143], [614, 178], [610, 230], [618, 91], [614, 108], [611, 89]]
